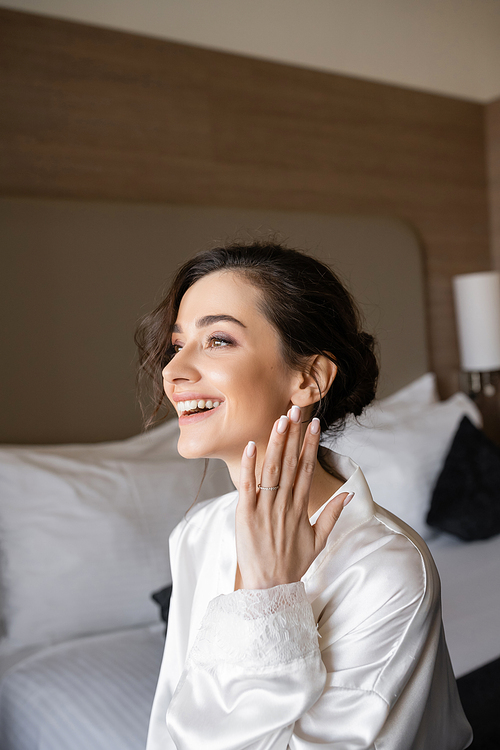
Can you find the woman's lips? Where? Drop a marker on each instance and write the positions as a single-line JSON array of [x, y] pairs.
[[187, 419]]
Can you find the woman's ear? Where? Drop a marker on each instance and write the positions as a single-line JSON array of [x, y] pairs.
[[321, 372]]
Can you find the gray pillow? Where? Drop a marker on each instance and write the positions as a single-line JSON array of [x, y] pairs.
[[466, 499]]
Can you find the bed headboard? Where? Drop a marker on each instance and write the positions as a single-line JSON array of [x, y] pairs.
[[78, 276]]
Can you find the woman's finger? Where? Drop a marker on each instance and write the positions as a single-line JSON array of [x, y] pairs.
[[271, 468], [247, 490], [328, 518], [291, 451], [307, 462]]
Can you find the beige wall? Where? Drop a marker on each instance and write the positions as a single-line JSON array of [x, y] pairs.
[[445, 46], [77, 276]]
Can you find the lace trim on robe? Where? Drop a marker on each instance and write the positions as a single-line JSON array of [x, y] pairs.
[[257, 629]]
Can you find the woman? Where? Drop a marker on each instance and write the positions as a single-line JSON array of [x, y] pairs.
[[303, 615]]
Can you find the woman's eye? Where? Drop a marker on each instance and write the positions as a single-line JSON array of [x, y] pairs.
[[213, 342], [217, 341]]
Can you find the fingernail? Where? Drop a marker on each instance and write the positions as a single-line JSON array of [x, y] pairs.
[[295, 413], [282, 424], [348, 499], [315, 426], [250, 448]]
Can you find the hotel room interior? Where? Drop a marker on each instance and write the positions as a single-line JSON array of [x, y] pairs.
[[135, 134]]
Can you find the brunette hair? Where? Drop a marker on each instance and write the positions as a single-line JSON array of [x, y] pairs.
[[302, 298]]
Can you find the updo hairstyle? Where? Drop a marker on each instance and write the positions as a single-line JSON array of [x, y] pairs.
[[301, 298]]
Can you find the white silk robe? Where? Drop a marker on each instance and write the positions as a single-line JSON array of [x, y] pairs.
[[352, 657]]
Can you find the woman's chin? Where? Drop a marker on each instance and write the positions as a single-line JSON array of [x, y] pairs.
[[189, 451], [194, 449]]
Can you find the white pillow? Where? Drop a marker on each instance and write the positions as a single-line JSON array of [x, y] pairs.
[[84, 532], [407, 400], [402, 457]]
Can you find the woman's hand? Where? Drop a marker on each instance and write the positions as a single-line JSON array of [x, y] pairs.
[[275, 542]]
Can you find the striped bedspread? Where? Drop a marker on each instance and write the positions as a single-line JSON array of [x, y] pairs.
[[93, 692]]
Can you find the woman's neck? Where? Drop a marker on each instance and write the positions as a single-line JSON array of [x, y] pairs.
[[324, 485]]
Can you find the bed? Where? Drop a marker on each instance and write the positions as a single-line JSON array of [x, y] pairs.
[[84, 527]]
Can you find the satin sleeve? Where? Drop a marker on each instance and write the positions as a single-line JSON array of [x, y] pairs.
[[176, 643], [255, 668]]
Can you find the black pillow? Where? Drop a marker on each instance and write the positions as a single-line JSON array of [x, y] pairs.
[[162, 597], [466, 498]]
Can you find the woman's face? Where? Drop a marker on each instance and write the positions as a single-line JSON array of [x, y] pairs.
[[227, 353]]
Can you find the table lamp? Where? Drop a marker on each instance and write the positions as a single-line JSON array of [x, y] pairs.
[[477, 307]]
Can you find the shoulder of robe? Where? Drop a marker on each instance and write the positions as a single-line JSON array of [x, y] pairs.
[[382, 562], [398, 566], [202, 514], [408, 554]]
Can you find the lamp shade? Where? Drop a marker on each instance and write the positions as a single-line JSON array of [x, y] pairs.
[[477, 306]]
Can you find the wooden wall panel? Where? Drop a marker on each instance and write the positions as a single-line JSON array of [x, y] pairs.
[[493, 152], [91, 113]]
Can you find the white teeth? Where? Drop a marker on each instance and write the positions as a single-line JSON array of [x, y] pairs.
[[193, 404]]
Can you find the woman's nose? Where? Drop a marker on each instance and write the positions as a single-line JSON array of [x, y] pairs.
[[181, 367]]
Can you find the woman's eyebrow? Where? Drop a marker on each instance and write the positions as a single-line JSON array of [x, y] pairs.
[[209, 320]]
